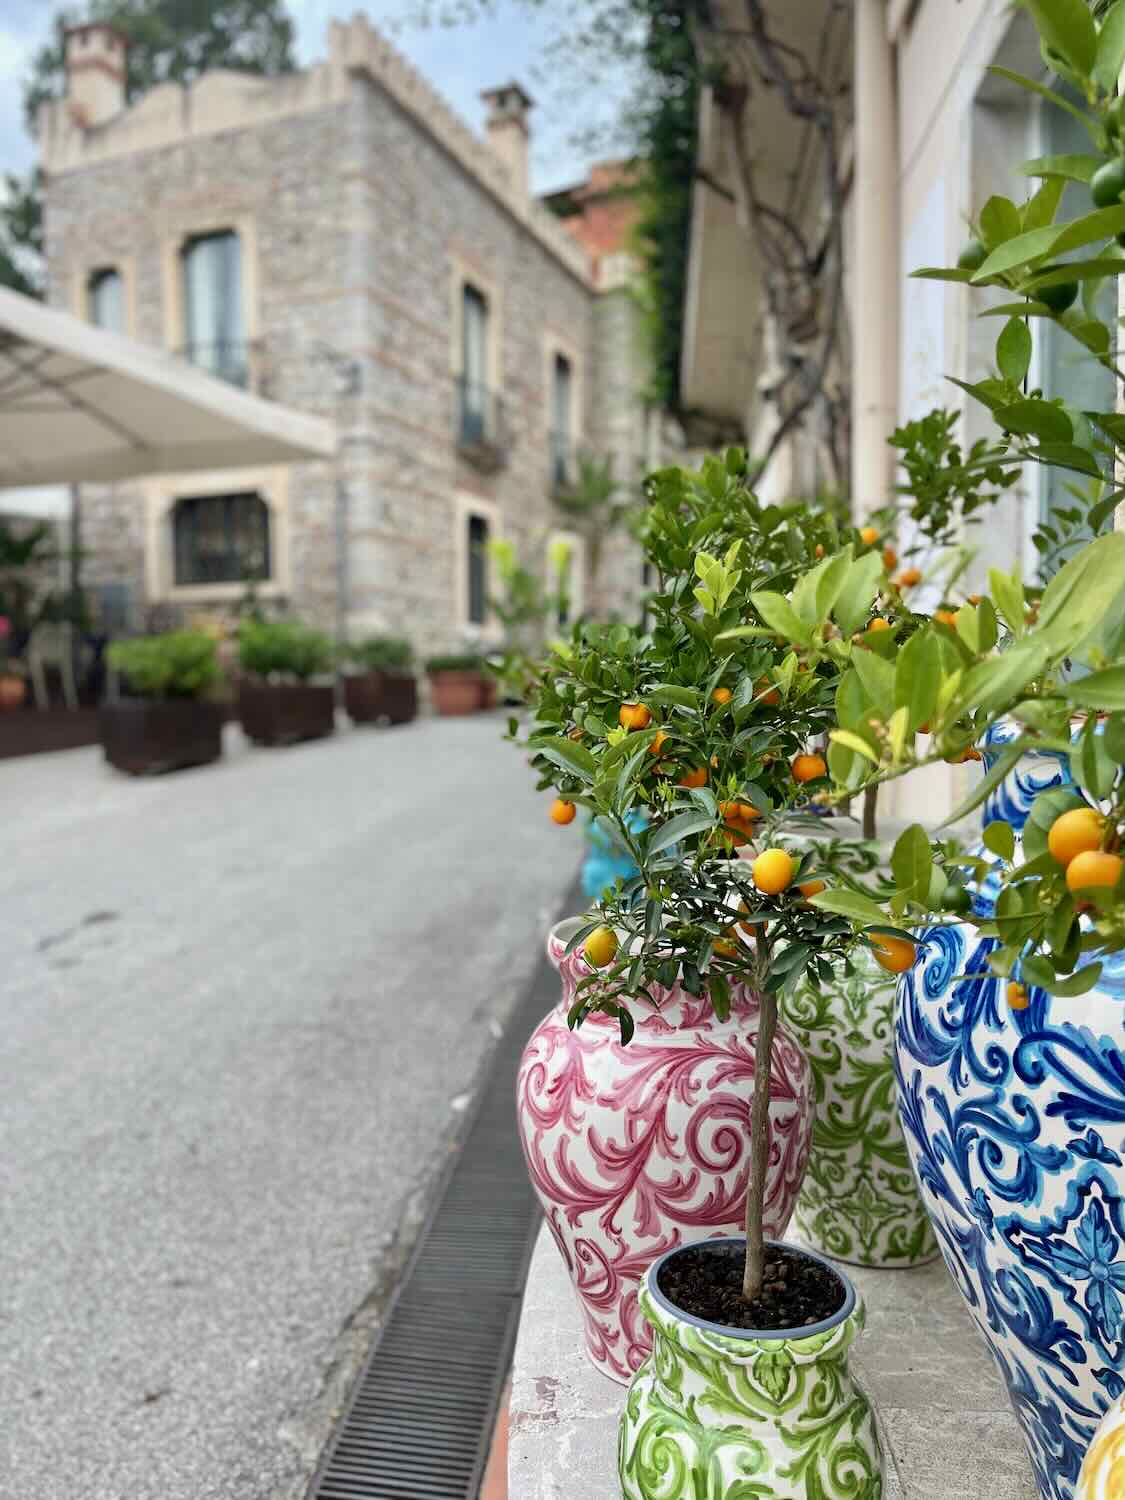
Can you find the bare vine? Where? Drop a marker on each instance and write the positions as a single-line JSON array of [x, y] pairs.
[[801, 255]]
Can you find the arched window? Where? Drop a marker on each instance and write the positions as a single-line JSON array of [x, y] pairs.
[[221, 539]]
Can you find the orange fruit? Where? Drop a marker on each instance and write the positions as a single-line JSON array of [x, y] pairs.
[[819, 550], [1093, 868], [878, 623], [890, 558], [600, 947], [659, 739], [924, 728], [698, 777], [728, 945], [772, 871], [1018, 998], [576, 734], [810, 888], [909, 577], [975, 598], [869, 535], [894, 954], [1075, 832], [946, 617], [809, 767], [634, 716], [751, 929], [721, 695], [733, 837], [563, 811], [767, 695]]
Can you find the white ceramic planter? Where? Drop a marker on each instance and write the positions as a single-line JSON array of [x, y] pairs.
[[729, 1415], [636, 1149]]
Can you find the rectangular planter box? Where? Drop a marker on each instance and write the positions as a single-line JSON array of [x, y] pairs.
[[371, 696], [282, 713], [140, 735], [456, 692]]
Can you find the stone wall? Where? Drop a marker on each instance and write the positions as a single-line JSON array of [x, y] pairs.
[[355, 220]]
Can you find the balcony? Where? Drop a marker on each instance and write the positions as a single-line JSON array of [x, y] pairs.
[[480, 426]]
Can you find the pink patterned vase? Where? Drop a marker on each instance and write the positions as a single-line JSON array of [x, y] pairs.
[[635, 1149]]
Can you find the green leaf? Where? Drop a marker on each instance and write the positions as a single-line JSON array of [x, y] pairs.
[[1077, 983], [1101, 224], [911, 863], [1041, 419], [1057, 99], [1013, 351], [917, 675], [1007, 590], [850, 904], [1033, 245], [780, 616], [1091, 765], [1068, 29], [1083, 592], [680, 827], [999, 220], [667, 694], [852, 741], [942, 273], [1075, 270], [1041, 207], [877, 678], [567, 755], [1001, 839], [853, 603], [1104, 690], [1000, 680], [1110, 55], [1073, 168]]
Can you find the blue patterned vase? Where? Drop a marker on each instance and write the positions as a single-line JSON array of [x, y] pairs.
[[1015, 1124]]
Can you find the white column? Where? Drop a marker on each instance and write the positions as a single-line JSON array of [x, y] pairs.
[[876, 272]]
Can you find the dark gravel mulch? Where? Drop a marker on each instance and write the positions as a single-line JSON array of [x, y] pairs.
[[706, 1282]]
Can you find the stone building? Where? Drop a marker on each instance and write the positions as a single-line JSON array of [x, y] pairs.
[[337, 239]]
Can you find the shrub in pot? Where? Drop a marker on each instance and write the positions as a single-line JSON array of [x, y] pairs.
[[459, 684], [278, 702], [169, 715], [378, 681]]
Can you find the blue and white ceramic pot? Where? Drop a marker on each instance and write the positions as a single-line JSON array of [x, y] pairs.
[[1015, 1124]]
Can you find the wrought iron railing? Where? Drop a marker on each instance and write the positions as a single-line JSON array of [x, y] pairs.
[[480, 425]]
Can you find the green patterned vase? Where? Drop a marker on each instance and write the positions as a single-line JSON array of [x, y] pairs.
[[859, 1201], [721, 1414]]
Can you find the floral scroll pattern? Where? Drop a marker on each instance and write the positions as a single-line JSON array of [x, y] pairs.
[[634, 1149], [724, 1418], [859, 1201]]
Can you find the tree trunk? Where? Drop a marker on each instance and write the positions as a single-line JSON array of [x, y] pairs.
[[759, 1148], [870, 798]]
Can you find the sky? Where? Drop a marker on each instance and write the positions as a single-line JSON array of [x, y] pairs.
[[511, 41]]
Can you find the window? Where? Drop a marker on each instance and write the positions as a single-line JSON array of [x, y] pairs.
[[105, 299], [212, 290], [562, 395], [221, 539], [478, 570], [474, 364], [565, 573]]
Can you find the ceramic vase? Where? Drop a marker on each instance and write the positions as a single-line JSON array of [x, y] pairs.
[[635, 1149], [728, 1415], [1015, 1123], [859, 1201]]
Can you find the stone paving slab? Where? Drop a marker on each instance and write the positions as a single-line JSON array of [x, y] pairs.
[[947, 1429]]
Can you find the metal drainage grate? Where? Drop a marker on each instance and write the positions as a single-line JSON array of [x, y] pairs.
[[420, 1421]]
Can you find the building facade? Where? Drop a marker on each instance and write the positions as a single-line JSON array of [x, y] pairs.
[[338, 240]]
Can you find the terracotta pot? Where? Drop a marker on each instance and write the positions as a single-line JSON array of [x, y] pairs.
[[456, 692], [13, 691], [715, 1405], [371, 696], [636, 1149], [283, 713], [160, 734], [1015, 1123]]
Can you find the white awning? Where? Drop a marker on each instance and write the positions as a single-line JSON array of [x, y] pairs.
[[79, 404]]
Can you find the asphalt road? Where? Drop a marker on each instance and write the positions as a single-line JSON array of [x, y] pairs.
[[241, 1009]]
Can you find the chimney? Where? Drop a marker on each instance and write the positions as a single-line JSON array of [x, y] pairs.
[[508, 131], [95, 73]]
